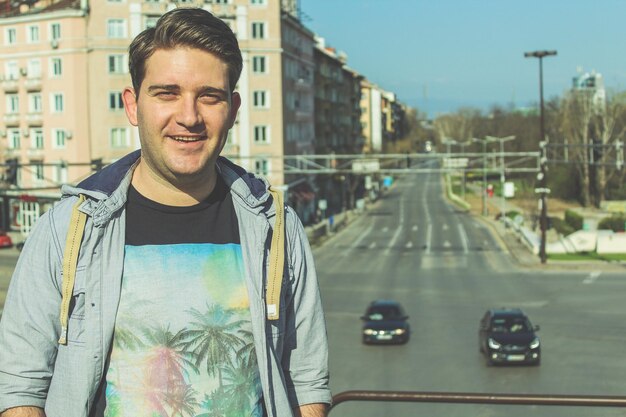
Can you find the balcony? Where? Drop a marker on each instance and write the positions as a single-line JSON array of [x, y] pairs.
[[33, 84], [34, 119], [35, 153], [10, 85], [12, 119]]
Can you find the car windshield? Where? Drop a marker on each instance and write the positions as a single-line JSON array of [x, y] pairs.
[[510, 325], [384, 313]]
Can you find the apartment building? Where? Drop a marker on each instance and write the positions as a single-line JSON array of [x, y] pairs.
[[64, 67]]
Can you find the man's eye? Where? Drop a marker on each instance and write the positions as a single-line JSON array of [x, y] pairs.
[[210, 98]]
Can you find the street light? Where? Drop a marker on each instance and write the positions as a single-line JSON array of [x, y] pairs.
[[542, 175], [484, 191], [502, 140]]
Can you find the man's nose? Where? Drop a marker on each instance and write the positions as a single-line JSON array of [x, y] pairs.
[[188, 113]]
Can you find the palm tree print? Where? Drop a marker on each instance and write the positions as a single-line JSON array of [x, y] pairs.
[[211, 338]]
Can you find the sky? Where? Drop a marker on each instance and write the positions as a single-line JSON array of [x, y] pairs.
[[441, 55]]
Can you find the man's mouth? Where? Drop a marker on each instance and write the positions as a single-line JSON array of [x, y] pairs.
[[187, 138]]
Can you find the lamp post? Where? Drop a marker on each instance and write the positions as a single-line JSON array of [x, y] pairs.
[[502, 178], [484, 191], [543, 190]]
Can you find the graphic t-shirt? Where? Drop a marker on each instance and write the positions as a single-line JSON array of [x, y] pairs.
[[183, 340]]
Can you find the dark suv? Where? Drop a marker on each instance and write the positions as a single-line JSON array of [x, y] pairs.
[[506, 335]]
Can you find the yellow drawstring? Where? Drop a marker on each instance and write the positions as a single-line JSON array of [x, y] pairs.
[[277, 259], [70, 261]]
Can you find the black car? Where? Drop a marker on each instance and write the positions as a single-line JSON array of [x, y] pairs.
[[506, 335], [385, 322]]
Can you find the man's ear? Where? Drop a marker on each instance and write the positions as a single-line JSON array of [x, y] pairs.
[[130, 105], [235, 103]]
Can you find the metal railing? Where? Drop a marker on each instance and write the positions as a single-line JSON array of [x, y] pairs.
[[476, 398]]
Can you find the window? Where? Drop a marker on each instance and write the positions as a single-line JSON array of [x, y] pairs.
[[56, 67], [258, 30], [116, 28], [55, 31], [150, 21], [261, 134], [33, 34], [11, 70], [34, 103], [221, 1], [116, 64], [115, 101], [37, 170], [119, 137], [34, 68], [14, 139], [57, 102], [60, 173], [260, 99], [258, 64], [261, 166], [36, 139], [258, 2], [59, 137], [13, 103], [10, 36]]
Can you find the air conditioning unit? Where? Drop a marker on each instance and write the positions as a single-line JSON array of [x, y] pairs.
[[54, 43], [25, 133], [68, 134], [23, 71]]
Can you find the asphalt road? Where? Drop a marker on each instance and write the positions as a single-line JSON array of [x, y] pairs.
[[446, 269]]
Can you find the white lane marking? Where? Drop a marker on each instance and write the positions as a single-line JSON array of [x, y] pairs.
[[446, 244], [464, 240], [399, 229], [372, 245], [414, 228], [445, 226], [393, 239], [409, 245], [429, 233], [592, 277], [385, 229], [359, 240]]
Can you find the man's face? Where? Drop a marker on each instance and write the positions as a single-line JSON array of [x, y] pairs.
[[183, 110]]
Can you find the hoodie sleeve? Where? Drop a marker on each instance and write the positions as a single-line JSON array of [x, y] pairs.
[[29, 327], [305, 358]]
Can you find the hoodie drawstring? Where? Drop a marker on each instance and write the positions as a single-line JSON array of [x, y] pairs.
[[70, 261]]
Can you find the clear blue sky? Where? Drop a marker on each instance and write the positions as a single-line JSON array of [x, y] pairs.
[[439, 55]]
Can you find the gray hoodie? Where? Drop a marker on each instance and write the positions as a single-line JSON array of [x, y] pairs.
[[35, 370]]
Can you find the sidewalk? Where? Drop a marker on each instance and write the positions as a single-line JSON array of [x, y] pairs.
[[510, 240]]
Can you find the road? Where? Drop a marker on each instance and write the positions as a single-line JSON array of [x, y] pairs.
[[446, 269]]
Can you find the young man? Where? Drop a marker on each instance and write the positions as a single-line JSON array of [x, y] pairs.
[[168, 312]]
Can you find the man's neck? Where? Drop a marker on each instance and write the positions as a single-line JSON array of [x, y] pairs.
[[155, 188]]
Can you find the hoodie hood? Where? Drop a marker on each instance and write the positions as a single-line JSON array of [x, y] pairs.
[[107, 189]]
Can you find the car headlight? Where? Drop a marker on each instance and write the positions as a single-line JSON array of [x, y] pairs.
[[369, 332], [534, 344], [399, 331], [493, 344]]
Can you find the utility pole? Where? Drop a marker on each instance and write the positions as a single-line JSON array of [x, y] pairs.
[[543, 189], [502, 173]]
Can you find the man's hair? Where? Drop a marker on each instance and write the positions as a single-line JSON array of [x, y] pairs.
[[186, 27]]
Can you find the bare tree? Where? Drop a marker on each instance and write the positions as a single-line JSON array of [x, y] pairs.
[[607, 128], [577, 112], [458, 126]]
